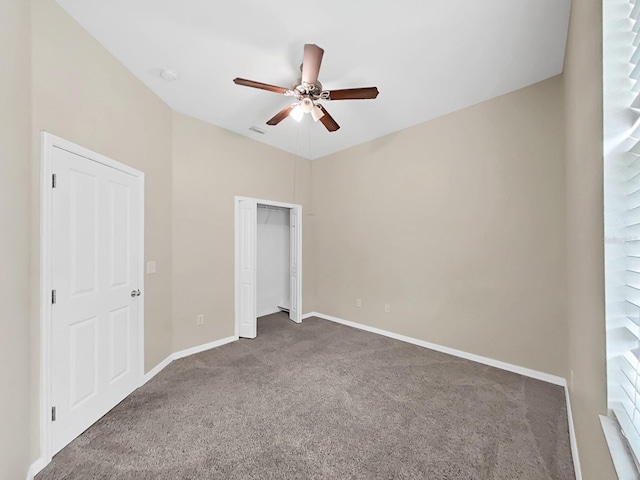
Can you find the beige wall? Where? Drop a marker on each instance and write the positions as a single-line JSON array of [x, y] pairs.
[[14, 237], [210, 166], [585, 235], [458, 224], [81, 93]]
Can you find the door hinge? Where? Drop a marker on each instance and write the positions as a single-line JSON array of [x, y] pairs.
[[53, 414], [54, 181], [53, 296]]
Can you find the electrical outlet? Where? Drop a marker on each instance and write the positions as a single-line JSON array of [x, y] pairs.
[[571, 380], [358, 302], [200, 319], [387, 307]]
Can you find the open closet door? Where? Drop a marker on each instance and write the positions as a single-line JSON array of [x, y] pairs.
[[247, 256], [294, 249]]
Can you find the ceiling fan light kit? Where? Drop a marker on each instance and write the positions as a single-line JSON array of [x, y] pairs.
[[306, 104], [308, 90], [316, 113], [297, 113]]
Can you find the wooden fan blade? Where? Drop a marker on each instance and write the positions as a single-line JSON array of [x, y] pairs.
[[327, 120], [311, 63], [260, 85], [281, 115], [354, 93]]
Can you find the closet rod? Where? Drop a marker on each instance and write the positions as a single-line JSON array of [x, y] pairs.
[[271, 207]]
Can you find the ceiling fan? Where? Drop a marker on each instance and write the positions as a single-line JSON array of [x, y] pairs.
[[308, 91]]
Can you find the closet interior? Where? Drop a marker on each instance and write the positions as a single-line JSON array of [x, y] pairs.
[[273, 260]]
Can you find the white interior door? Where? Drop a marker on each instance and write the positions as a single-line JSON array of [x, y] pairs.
[[247, 260], [294, 264], [95, 327]]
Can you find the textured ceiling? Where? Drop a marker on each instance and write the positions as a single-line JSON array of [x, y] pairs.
[[427, 58]]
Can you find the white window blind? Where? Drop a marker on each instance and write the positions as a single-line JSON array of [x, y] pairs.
[[622, 212]]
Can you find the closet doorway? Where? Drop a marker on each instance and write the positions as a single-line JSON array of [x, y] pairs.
[[268, 259]]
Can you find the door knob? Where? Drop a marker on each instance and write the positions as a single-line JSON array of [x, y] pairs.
[[135, 293]]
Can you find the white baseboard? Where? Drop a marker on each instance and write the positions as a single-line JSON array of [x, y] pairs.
[[268, 312], [185, 353], [35, 468], [527, 372], [202, 348], [39, 464], [572, 437], [157, 369]]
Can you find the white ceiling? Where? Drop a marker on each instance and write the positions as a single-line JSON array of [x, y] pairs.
[[427, 57]]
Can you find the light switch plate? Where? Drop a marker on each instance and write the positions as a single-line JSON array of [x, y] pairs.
[[151, 267]]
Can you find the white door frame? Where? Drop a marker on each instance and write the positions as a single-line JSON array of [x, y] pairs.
[[298, 209], [47, 144]]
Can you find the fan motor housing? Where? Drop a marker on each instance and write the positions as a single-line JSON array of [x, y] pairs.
[[306, 89]]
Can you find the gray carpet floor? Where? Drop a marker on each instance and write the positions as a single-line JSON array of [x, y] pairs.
[[324, 401]]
